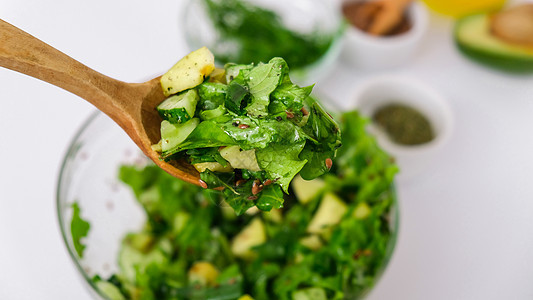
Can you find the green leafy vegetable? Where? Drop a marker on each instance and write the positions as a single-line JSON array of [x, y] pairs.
[[79, 228]]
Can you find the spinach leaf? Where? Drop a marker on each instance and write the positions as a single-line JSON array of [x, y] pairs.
[[288, 96], [263, 80], [281, 162]]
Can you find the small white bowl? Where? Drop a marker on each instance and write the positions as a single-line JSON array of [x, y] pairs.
[[380, 91], [377, 53]]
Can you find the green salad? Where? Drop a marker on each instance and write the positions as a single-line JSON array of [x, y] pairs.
[[246, 128], [248, 33], [330, 241]]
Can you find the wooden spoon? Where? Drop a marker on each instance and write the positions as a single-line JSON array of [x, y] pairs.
[[130, 105]]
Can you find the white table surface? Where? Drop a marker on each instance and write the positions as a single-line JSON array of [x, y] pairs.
[[466, 229]]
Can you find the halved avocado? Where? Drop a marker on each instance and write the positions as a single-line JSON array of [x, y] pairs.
[[474, 39]]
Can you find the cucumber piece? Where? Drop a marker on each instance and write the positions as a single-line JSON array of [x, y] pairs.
[[212, 95], [179, 108], [172, 135], [474, 39], [213, 113], [189, 72]]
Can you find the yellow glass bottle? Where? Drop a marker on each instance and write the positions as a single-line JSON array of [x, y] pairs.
[[460, 8]]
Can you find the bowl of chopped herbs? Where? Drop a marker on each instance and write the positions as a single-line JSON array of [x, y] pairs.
[[306, 33]]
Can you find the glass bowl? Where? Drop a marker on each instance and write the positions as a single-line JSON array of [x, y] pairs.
[[89, 177], [315, 18]]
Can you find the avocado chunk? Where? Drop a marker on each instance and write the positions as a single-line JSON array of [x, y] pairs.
[[474, 38], [312, 242], [328, 214], [189, 72], [203, 273], [307, 190], [362, 211], [252, 235]]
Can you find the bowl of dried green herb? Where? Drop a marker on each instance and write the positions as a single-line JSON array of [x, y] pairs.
[[410, 119]]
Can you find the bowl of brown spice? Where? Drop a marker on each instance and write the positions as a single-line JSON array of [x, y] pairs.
[[410, 119], [383, 33]]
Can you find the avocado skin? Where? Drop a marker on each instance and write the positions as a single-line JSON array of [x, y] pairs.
[[501, 61]]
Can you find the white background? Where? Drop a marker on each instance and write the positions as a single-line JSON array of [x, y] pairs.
[[466, 229]]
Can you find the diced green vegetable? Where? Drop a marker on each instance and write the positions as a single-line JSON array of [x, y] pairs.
[[179, 108], [172, 135]]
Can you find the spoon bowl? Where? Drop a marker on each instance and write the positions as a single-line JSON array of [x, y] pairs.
[[131, 105]]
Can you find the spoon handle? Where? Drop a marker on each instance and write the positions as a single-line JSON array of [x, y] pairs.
[[21, 52]]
